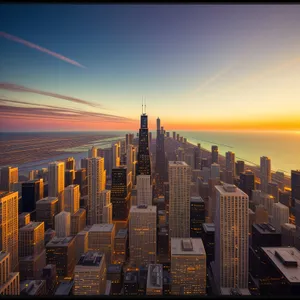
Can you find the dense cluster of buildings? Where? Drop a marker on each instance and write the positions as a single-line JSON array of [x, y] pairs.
[[150, 217]]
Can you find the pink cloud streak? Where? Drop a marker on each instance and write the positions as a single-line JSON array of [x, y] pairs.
[[41, 49]]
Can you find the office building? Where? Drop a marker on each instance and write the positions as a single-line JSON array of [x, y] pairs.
[[49, 275], [69, 177], [214, 154], [63, 224], [295, 185], [9, 281], [162, 244], [285, 198], [33, 288], [265, 172], [82, 243], [261, 214], [65, 288], [197, 216], [70, 163], [78, 221], [90, 274], [32, 191], [214, 171], [121, 245], [49, 235], [107, 154], [131, 283], [280, 215], [129, 139], [239, 167], [154, 280], [280, 179], [208, 238], [115, 275], [273, 190], [144, 190], [84, 163], [230, 162], [247, 182], [116, 152], [96, 178], [72, 196], [46, 209], [61, 252], [179, 195], [101, 238], [33, 174], [9, 176], [204, 163], [92, 153], [188, 267], [197, 157], [288, 235], [142, 235], [9, 225], [81, 180], [144, 163], [56, 182], [24, 219], [231, 228]]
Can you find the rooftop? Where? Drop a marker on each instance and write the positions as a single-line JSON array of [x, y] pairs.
[[155, 276], [286, 260], [24, 214], [229, 190], [131, 277], [72, 186], [208, 227], [234, 292], [79, 212], [122, 233], [60, 241], [197, 199], [265, 228], [30, 287], [187, 246], [64, 288], [48, 200], [178, 163], [102, 228], [3, 254], [91, 259], [143, 209], [31, 226], [114, 268]]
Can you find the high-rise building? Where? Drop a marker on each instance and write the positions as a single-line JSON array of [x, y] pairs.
[[33, 288], [197, 216], [82, 243], [285, 198], [188, 267], [24, 219], [61, 252], [232, 229], [214, 171], [115, 275], [96, 179], [280, 215], [92, 153], [78, 221], [84, 163], [265, 172], [129, 139], [107, 154], [46, 209], [295, 185], [239, 167], [208, 238], [72, 198], [204, 163], [63, 224], [142, 235], [116, 152], [56, 182], [49, 275], [230, 162], [32, 191], [144, 164], [9, 225], [131, 283], [9, 281], [144, 190], [155, 280], [70, 163], [69, 177], [90, 274], [174, 135], [214, 154], [121, 245], [261, 214], [9, 175], [101, 238], [197, 157], [247, 182], [81, 180], [163, 244], [179, 199]]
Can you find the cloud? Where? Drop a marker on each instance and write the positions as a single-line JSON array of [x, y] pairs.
[[18, 88], [41, 49]]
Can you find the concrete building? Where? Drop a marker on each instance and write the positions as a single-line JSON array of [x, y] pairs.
[[72, 198], [121, 245], [231, 228], [78, 221], [101, 238], [188, 267], [261, 214], [9, 225], [92, 153], [142, 235], [90, 274], [9, 175], [265, 172], [214, 154], [116, 155], [208, 238], [179, 199], [288, 235], [144, 190], [33, 288], [82, 243], [104, 208], [155, 280], [215, 171], [247, 182], [56, 182], [116, 276], [197, 216], [46, 209], [280, 215], [63, 224], [24, 219], [230, 162], [240, 167]]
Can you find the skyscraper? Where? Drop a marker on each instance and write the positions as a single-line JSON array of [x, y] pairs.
[[142, 235], [265, 172], [144, 164], [9, 175], [215, 171], [247, 182], [9, 225], [197, 216], [240, 167], [72, 198], [280, 215], [46, 209], [69, 177], [295, 185], [63, 224], [70, 163], [214, 154], [179, 199], [231, 237], [104, 208], [96, 183], [92, 153], [230, 162], [160, 164], [107, 154], [116, 151], [129, 139], [197, 157], [56, 182], [144, 190]]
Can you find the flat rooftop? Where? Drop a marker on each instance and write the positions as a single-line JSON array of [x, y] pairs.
[[90, 259], [265, 228], [286, 260], [187, 246], [102, 228], [48, 200], [31, 226], [143, 209], [209, 227], [122, 233], [79, 212], [64, 288], [178, 163], [24, 214], [155, 276], [31, 286], [3, 254], [197, 199], [60, 241], [131, 277], [234, 292], [72, 186], [229, 190], [114, 268]]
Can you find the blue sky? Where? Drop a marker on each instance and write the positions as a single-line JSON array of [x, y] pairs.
[[188, 61]]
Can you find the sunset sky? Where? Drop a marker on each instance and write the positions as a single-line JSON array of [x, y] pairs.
[[199, 67]]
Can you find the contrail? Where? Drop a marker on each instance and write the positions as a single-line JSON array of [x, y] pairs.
[[41, 49]]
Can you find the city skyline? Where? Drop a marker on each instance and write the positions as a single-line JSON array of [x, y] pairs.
[[198, 67]]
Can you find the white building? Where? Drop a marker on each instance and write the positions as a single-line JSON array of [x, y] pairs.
[[56, 182], [63, 224], [231, 237], [179, 199], [144, 190], [280, 215], [142, 235], [72, 198], [188, 266]]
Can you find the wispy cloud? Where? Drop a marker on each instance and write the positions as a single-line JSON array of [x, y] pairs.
[[41, 49], [18, 88]]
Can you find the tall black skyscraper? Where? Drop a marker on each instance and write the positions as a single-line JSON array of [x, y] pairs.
[[144, 165]]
